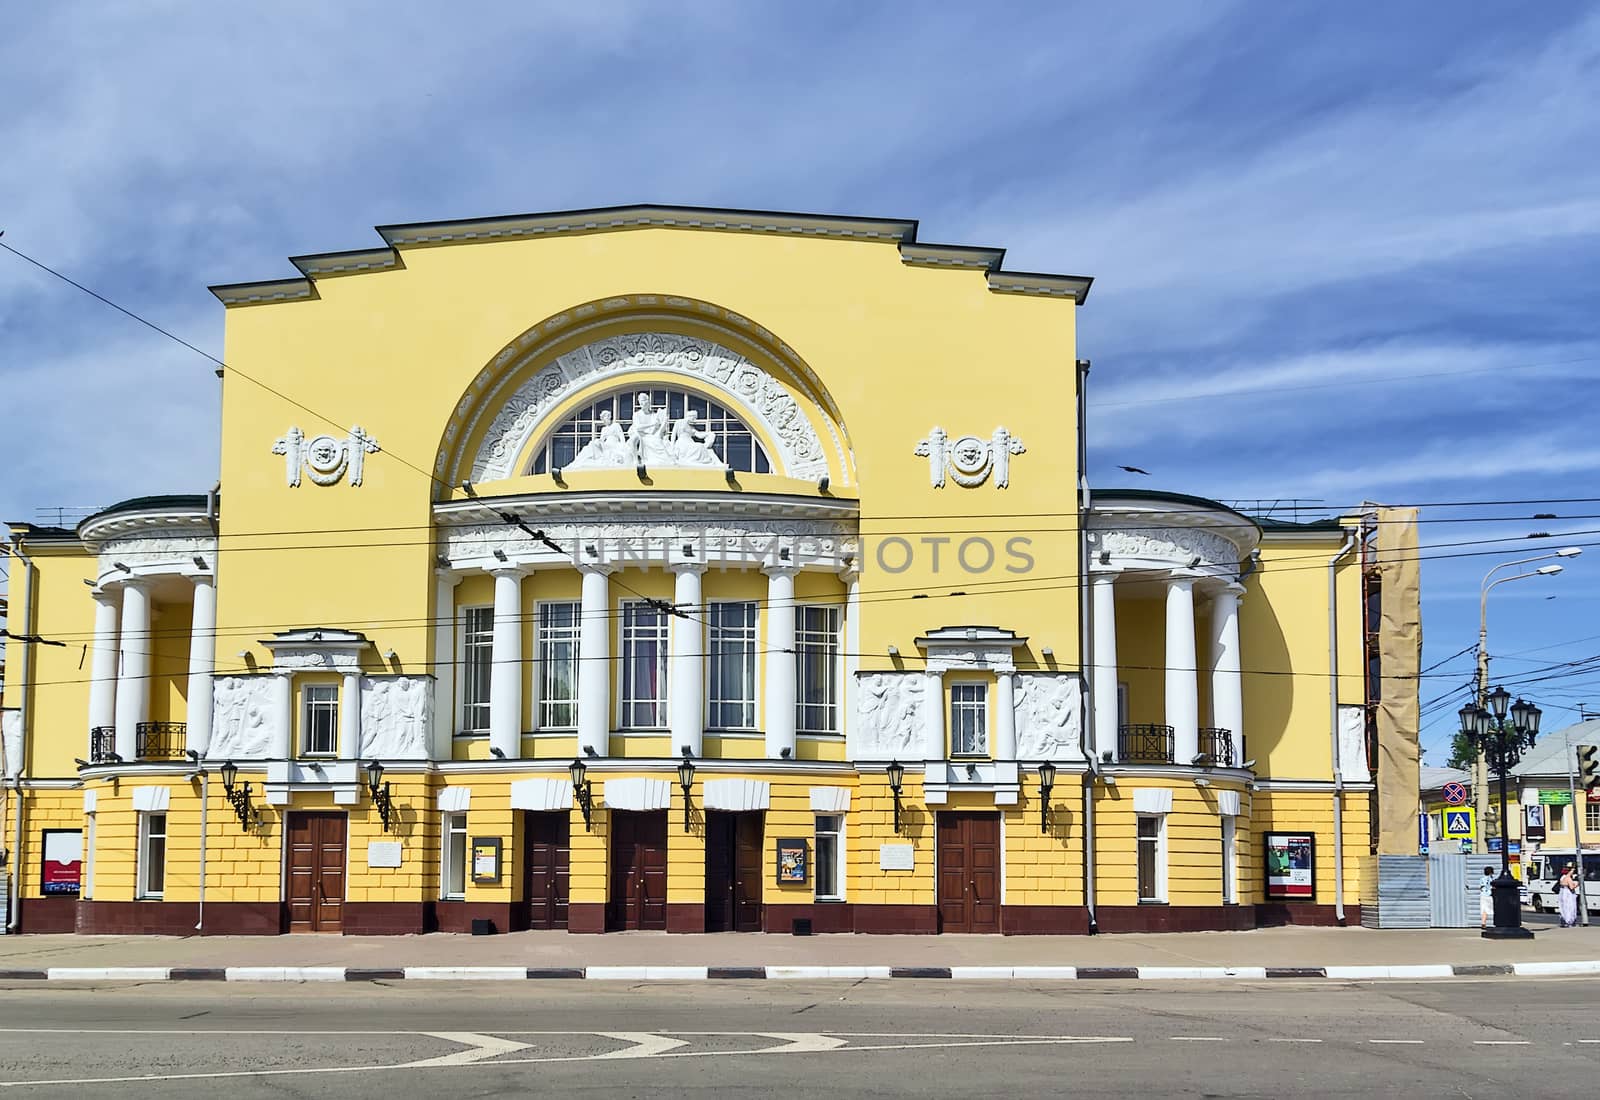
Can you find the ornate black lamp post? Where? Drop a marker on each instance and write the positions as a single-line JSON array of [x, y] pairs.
[[686, 781], [378, 788], [897, 778], [238, 796], [1047, 782], [1503, 740], [583, 791]]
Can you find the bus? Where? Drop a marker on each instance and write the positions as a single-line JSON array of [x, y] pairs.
[[1542, 873]]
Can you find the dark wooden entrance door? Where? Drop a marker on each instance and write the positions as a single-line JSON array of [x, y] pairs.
[[969, 872], [547, 862], [316, 872], [638, 896], [733, 872]]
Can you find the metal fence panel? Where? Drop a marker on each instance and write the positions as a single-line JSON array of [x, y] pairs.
[[1450, 891]]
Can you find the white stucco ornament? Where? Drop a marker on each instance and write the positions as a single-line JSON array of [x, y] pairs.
[[396, 712], [889, 714], [243, 722], [1047, 707], [323, 458], [652, 439], [969, 459]]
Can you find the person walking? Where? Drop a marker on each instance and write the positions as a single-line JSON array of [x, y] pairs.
[[1567, 897], [1486, 897]]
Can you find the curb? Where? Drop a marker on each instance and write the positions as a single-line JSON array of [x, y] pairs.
[[790, 973]]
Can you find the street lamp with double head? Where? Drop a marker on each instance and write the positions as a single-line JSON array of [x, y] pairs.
[[1502, 732]]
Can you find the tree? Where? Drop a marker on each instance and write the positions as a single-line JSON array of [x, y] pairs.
[[1462, 754]]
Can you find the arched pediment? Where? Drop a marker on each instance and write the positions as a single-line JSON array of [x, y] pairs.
[[507, 410]]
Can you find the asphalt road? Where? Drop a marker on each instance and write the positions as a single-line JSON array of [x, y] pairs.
[[904, 1038]]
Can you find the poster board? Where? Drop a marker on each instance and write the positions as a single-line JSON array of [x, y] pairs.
[[1291, 866]]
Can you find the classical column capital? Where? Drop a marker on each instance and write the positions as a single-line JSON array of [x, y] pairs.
[[596, 568], [780, 569], [689, 567], [509, 569]]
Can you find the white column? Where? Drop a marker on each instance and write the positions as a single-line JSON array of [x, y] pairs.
[[1183, 698], [1227, 693], [852, 645], [933, 747], [594, 662], [202, 664], [103, 663], [133, 676], [350, 716], [1103, 684], [445, 670], [283, 716], [505, 665], [686, 663], [1005, 717], [780, 678]]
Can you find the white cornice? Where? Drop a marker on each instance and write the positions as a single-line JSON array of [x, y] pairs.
[[611, 506]]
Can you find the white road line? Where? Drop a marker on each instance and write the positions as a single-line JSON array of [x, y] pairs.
[[1502, 1042], [1396, 1042], [797, 1042], [646, 1044], [1198, 1039], [480, 1047], [1294, 1040]]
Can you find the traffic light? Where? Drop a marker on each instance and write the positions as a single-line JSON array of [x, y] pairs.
[[1589, 767]]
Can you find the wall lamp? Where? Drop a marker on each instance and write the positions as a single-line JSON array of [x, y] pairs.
[[380, 795], [1047, 783], [897, 778], [686, 781], [238, 796], [583, 792]]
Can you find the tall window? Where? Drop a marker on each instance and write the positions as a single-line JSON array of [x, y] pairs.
[[1558, 819], [152, 869], [969, 719], [319, 725], [732, 665], [455, 856], [644, 666], [830, 872], [1230, 861], [816, 654], [1591, 817], [558, 664], [732, 441], [477, 652], [1152, 858]]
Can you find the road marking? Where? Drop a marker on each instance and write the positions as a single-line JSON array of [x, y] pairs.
[[1198, 1039], [797, 1042], [1501, 1042], [1294, 1040], [646, 1044], [481, 1047], [1396, 1042]]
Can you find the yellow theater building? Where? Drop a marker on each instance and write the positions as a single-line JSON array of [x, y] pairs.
[[682, 569]]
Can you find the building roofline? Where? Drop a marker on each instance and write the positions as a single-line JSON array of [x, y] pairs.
[[1156, 496], [900, 231]]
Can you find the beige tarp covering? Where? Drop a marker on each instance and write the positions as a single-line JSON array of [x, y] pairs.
[[1399, 661]]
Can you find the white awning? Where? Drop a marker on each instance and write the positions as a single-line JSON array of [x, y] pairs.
[[455, 800], [1152, 801], [151, 800], [541, 794], [636, 794]]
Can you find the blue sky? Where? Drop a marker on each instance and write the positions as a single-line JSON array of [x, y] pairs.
[[1342, 252]]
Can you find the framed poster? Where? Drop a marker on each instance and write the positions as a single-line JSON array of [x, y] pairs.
[[485, 859], [1533, 828], [1291, 864], [793, 861], [62, 873]]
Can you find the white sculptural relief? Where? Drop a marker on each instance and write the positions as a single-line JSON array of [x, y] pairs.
[[243, 717], [1353, 744], [1047, 710], [1169, 544], [969, 460], [11, 740], [324, 458], [649, 441], [889, 708], [396, 714]]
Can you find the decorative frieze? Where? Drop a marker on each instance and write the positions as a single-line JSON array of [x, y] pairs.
[[396, 715], [1048, 709], [243, 718], [889, 715]]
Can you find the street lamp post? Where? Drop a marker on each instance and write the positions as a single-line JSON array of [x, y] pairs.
[[1502, 732], [1480, 776]]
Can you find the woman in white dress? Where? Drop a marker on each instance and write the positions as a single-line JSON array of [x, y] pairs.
[[648, 434], [1567, 898]]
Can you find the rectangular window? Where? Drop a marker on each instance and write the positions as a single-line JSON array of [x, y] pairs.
[[558, 665], [477, 653], [969, 719], [644, 666], [152, 855], [732, 665], [829, 858], [816, 654], [1230, 861], [455, 857], [1558, 819], [1152, 858], [1591, 817], [319, 725]]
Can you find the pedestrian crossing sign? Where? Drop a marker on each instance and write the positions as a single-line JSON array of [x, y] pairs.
[[1458, 824]]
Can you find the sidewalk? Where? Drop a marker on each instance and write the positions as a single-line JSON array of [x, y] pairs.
[[1430, 953]]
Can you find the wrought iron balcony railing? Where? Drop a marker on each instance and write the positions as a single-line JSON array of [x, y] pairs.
[[102, 744], [161, 740], [1144, 744], [1217, 743]]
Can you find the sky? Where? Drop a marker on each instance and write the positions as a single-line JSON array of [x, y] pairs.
[[1342, 253]]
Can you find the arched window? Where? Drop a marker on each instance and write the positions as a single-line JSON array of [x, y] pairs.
[[657, 427]]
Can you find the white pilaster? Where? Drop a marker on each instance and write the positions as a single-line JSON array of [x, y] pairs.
[[1227, 693], [594, 662], [1103, 684], [686, 662], [133, 676], [505, 666], [852, 645], [350, 716], [933, 747], [445, 669], [1005, 716], [1183, 699], [781, 665], [202, 664], [103, 662], [283, 713]]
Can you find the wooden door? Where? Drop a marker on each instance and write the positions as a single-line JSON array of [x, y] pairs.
[[733, 871], [638, 896], [547, 860], [969, 872], [316, 860]]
